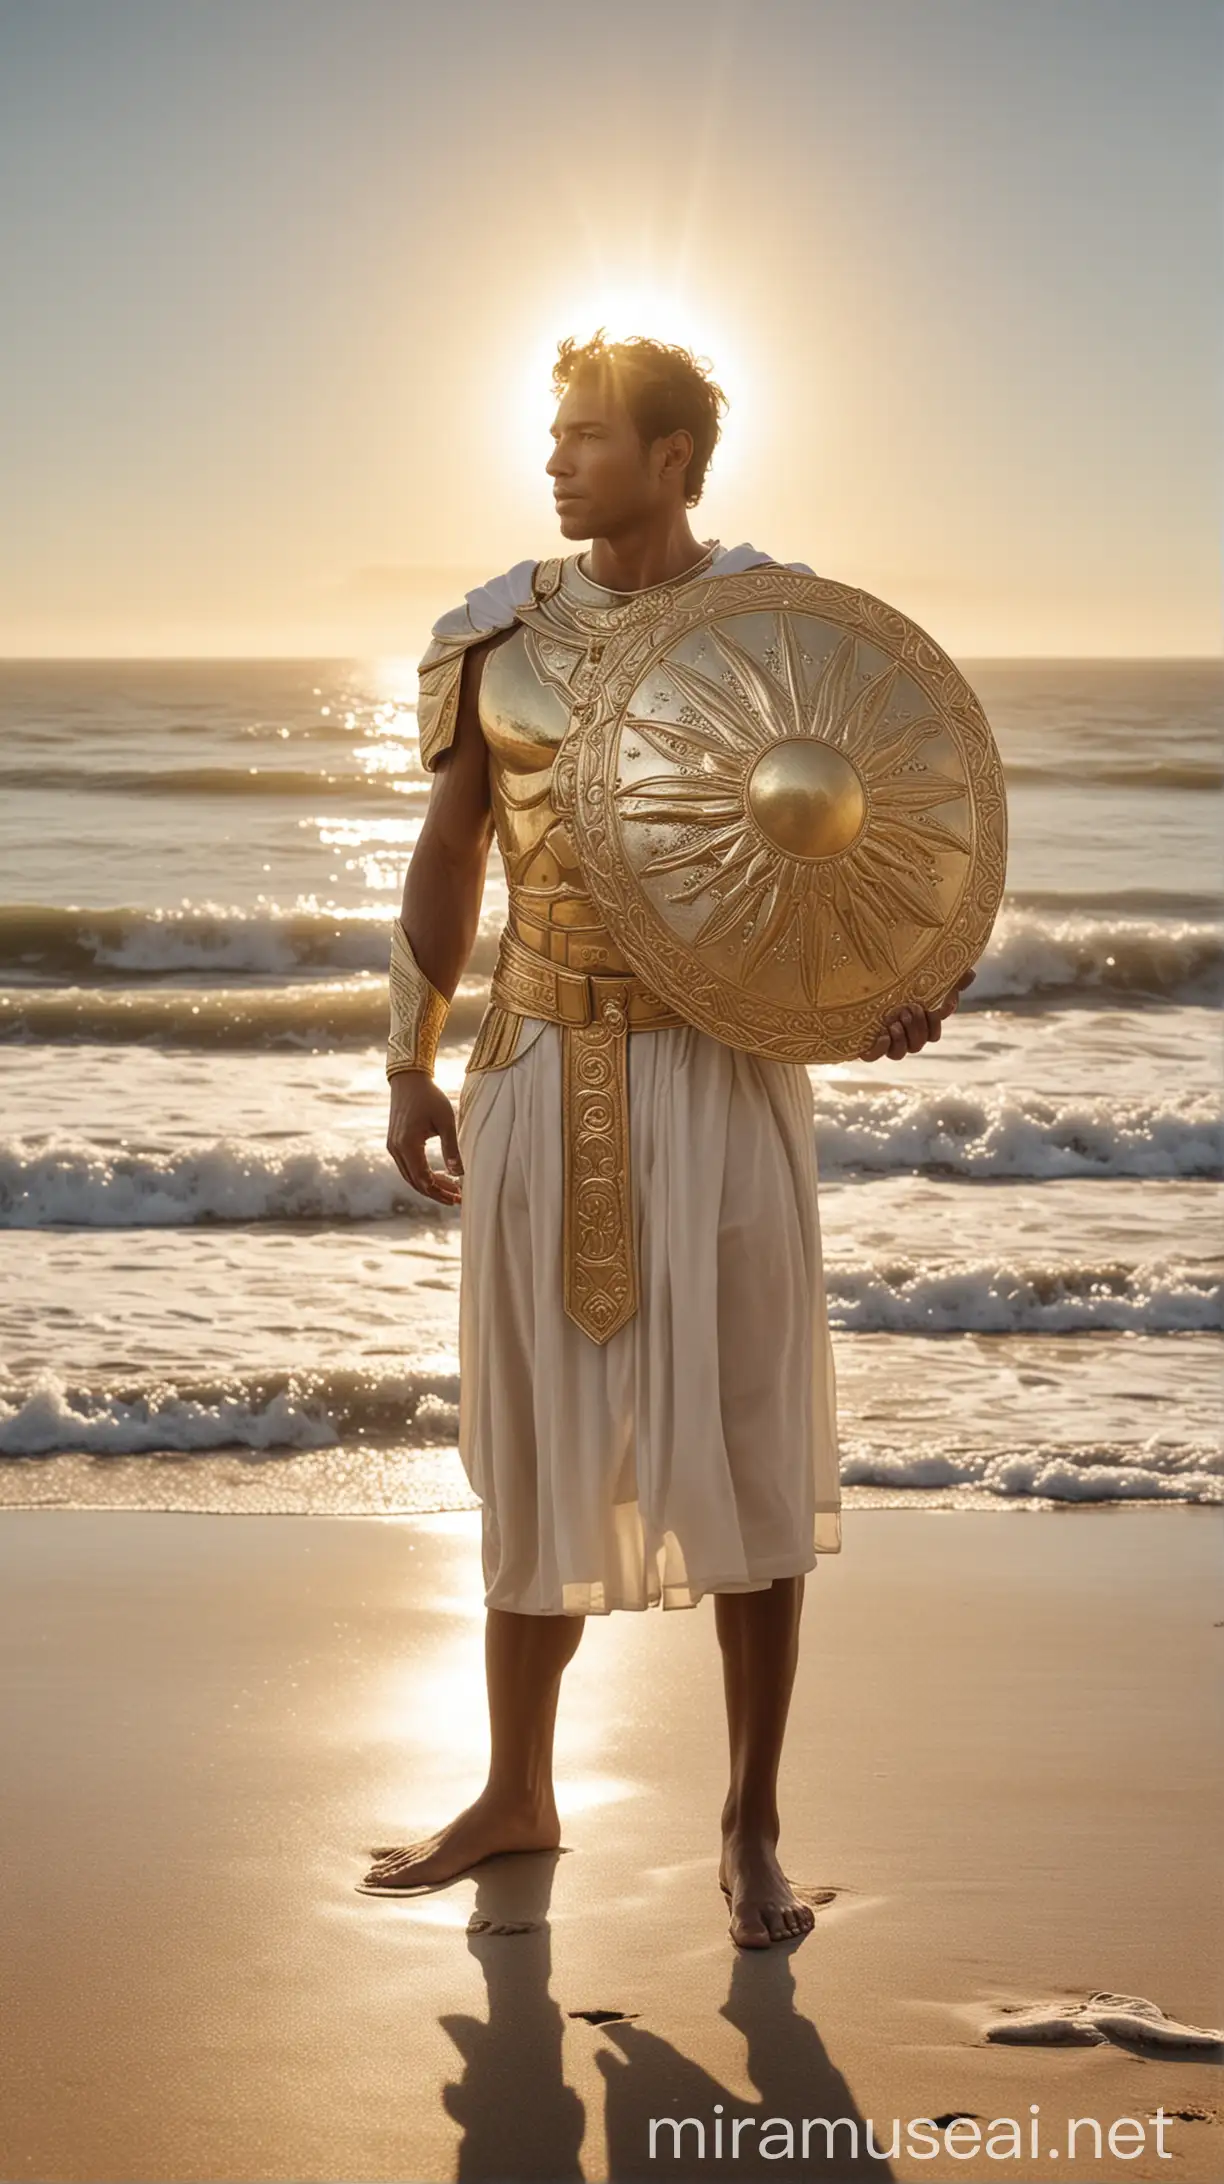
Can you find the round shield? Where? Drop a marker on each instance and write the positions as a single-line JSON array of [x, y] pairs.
[[788, 807]]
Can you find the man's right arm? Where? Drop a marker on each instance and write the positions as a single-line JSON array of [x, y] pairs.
[[443, 890]]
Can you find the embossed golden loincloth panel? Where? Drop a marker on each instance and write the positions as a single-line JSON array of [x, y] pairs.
[[596, 1012]]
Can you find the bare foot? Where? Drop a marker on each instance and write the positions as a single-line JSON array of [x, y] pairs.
[[764, 1906], [486, 1829]]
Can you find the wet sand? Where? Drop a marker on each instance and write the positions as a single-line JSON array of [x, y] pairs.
[[1005, 1761]]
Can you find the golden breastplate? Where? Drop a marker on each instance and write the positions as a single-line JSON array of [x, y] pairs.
[[525, 706], [554, 953]]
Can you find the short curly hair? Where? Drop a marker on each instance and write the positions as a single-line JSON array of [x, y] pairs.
[[663, 387]]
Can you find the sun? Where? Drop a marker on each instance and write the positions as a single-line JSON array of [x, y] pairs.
[[625, 308]]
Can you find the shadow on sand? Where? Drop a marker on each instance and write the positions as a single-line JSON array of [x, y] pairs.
[[521, 2121], [518, 2117]]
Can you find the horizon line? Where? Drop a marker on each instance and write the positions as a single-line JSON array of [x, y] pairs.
[[358, 659]]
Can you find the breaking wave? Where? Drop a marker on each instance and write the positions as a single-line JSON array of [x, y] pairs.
[[63, 945], [268, 1410], [996, 1133], [1016, 1299], [1037, 953], [1154, 1470], [75, 1183], [323, 1410]]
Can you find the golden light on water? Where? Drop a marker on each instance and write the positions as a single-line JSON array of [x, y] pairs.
[[388, 759], [396, 680]]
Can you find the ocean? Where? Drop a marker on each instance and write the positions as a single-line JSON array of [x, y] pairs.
[[215, 1290]]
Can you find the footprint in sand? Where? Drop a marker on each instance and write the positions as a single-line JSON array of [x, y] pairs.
[[817, 1896], [1127, 2019]]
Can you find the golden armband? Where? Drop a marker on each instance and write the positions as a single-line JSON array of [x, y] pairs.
[[418, 1010]]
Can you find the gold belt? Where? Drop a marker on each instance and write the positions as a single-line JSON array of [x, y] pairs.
[[596, 1011]]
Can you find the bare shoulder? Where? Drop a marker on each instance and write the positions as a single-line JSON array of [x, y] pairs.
[[468, 725]]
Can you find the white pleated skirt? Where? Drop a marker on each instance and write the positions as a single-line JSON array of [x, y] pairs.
[[696, 1450]]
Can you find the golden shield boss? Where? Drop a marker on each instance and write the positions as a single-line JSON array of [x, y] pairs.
[[788, 807]]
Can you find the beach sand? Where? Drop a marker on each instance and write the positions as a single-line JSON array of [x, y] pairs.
[[1005, 1758]]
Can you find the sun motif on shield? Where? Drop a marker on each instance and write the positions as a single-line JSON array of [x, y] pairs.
[[798, 806]]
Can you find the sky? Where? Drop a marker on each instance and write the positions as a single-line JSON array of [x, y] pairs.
[[281, 281]]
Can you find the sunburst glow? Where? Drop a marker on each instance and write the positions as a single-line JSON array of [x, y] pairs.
[[623, 308]]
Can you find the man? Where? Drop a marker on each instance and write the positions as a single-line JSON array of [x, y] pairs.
[[647, 1387]]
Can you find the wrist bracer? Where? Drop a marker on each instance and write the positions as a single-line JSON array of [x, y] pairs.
[[418, 1010]]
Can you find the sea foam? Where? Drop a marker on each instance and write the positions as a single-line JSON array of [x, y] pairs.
[[1036, 952], [987, 1134], [260, 1411], [322, 1410]]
